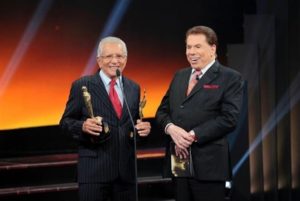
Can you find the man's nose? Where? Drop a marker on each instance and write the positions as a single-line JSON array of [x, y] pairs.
[[191, 51], [114, 59]]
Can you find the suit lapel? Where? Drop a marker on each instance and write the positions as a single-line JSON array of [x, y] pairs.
[[207, 78], [101, 94], [100, 91], [128, 95], [184, 82]]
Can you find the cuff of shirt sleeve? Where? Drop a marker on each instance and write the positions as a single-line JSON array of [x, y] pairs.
[[192, 132], [166, 128]]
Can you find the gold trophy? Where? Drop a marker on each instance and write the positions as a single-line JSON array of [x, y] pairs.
[[181, 167], [178, 165], [141, 107], [89, 107]]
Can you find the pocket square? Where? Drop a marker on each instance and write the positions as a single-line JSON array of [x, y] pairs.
[[211, 86]]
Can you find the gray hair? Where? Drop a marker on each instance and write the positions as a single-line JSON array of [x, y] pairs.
[[111, 39]]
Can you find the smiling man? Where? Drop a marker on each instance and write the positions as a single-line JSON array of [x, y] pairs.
[[106, 168], [199, 109]]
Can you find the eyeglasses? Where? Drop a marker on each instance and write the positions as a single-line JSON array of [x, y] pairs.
[[109, 57]]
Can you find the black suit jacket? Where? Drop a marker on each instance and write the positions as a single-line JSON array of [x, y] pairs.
[[211, 110], [114, 157]]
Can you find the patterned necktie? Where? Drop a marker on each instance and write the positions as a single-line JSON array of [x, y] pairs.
[[193, 81], [114, 98]]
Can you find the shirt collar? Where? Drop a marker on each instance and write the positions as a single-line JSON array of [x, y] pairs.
[[203, 70], [106, 80]]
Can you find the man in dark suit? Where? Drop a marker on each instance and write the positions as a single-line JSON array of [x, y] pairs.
[[106, 168], [199, 109]]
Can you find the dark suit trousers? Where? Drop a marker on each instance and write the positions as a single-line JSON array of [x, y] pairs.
[[189, 189], [113, 191]]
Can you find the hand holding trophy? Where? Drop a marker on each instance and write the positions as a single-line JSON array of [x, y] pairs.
[[89, 107], [142, 105]]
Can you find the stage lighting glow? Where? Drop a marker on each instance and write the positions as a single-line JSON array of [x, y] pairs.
[[24, 43], [109, 28], [288, 100]]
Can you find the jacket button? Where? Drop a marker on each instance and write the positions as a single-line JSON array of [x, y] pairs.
[[181, 106]]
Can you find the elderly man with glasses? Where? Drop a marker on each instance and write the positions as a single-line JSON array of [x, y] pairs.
[[106, 168]]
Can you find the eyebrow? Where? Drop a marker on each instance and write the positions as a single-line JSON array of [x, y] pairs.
[[194, 45]]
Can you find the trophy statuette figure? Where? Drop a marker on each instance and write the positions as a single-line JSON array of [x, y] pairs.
[[88, 103], [141, 107]]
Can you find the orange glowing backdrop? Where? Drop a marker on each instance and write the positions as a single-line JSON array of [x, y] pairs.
[[57, 51], [37, 91]]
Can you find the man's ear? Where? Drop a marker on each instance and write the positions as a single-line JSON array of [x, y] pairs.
[[214, 49], [99, 61]]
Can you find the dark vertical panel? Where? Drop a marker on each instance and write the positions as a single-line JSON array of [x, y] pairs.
[[294, 59], [256, 157], [266, 43], [283, 127], [239, 142], [295, 151]]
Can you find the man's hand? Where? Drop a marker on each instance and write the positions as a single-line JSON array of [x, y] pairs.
[[182, 153], [192, 132], [92, 126], [181, 138], [143, 128]]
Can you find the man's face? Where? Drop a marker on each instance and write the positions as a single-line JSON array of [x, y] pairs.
[[198, 52], [112, 58]]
